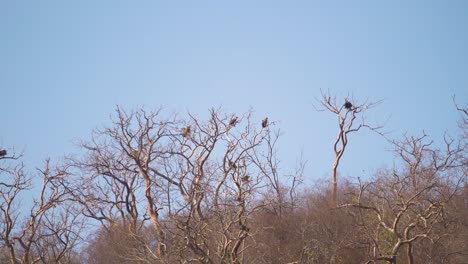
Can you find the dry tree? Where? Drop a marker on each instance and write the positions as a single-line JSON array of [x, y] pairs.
[[348, 123]]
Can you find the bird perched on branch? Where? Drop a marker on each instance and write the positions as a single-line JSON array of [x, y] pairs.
[[3, 152], [185, 131], [233, 121], [134, 153], [265, 122], [348, 105], [232, 165]]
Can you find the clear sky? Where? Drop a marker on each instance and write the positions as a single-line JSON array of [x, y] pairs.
[[65, 65]]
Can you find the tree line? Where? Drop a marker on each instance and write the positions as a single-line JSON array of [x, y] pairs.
[[158, 188]]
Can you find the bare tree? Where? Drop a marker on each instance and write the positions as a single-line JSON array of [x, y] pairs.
[[114, 182], [219, 180], [347, 112], [61, 234], [402, 207], [27, 235], [198, 181], [463, 123]]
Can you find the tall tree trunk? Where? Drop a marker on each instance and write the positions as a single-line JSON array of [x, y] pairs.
[[409, 254]]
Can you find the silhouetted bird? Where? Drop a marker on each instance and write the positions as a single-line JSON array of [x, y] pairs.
[[348, 105], [233, 121], [185, 131], [3, 152], [265, 122], [232, 165]]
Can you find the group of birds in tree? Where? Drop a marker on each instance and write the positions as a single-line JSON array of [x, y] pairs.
[[233, 166], [186, 130], [232, 122]]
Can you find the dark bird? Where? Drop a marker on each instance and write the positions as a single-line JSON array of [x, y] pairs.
[[265, 122], [233, 121], [246, 178], [3, 152], [244, 228], [348, 105], [185, 131], [232, 165]]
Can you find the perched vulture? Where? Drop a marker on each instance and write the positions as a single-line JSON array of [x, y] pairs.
[[185, 131], [3, 152], [134, 153], [233, 121], [265, 122], [348, 105], [232, 165]]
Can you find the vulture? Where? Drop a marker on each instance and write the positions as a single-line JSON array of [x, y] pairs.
[[232, 165], [134, 153], [348, 105], [185, 131], [3, 152], [265, 122], [233, 121]]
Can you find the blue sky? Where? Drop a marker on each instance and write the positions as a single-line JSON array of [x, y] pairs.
[[65, 65]]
